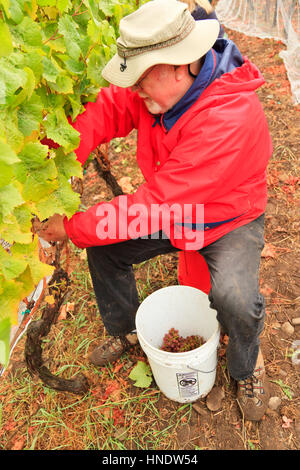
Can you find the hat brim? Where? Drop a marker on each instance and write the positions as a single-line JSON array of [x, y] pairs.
[[192, 47]]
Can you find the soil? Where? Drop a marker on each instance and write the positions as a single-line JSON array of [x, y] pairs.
[[216, 422]]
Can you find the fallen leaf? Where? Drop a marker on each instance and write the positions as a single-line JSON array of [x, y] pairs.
[[18, 444], [112, 389], [141, 375], [266, 290], [63, 313], [125, 183], [118, 367], [49, 299], [65, 309], [286, 422], [269, 251]]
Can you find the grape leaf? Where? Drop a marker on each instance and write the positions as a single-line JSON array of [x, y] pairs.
[[60, 131], [64, 5], [27, 32], [7, 155], [61, 201], [9, 198], [30, 115], [141, 374], [11, 267], [51, 70], [68, 28], [5, 327], [30, 254], [6, 46], [9, 299]]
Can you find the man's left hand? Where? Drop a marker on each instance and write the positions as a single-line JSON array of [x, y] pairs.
[[53, 230]]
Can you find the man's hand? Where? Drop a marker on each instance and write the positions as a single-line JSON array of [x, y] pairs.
[[53, 230]]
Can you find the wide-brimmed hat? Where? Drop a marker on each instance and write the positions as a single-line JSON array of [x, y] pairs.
[[159, 32]]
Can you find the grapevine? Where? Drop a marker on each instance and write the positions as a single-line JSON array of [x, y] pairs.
[[51, 56], [173, 342]]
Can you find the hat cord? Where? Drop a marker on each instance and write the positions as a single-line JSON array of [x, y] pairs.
[[123, 66]]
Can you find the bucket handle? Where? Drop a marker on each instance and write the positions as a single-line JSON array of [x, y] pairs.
[[202, 371]]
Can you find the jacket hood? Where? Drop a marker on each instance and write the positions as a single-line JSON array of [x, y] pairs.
[[225, 67], [234, 73]]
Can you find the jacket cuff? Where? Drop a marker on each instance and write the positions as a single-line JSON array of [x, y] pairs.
[[68, 228]]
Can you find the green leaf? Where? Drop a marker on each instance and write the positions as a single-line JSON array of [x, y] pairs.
[[23, 216], [7, 155], [11, 267], [30, 115], [33, 60], [30, 254], [10, 297], [61, 201], [107, 6], [5, 5], [141, 374], [63, 84], [5, 327], [46, 3], [60, 131], [6, 174], [27, 33], [34, 155], [67, 164], [10, 132], [7, 159], [15, 11], [95, 11], [10, 198], [74, 66], [68, 28], [6, 46], [51, 70], [96, 63], [12, 80], [36, 172], [284, 387], [64, 5]]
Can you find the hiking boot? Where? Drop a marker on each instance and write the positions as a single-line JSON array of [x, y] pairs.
[[112, 348], [253, 392]]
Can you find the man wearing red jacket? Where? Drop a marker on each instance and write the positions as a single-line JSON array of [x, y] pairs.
[[203, 148]]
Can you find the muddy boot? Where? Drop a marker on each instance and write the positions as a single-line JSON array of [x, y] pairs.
[[112, 348], [253, 392]]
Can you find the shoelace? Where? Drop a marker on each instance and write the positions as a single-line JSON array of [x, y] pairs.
[[252, 384]]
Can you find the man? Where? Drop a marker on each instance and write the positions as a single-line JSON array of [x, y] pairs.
[[203, 143]]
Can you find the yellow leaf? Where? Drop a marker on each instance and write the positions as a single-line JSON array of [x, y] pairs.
[[50, 299]]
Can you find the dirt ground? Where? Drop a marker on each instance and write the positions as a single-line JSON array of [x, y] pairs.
[[224, 428]]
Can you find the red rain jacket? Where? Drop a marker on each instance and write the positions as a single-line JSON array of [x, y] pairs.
[[216, 154]]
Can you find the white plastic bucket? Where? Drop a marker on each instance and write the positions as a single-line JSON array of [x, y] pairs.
[[182, 377]]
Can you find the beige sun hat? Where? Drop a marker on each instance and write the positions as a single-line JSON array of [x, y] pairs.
[[159, 32]]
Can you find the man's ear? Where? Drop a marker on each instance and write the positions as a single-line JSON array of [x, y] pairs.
[[180, 72]]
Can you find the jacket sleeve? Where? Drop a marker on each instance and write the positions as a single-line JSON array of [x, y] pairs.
[[114, 114]]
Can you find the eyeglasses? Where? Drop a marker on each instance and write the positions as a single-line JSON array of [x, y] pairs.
[[139, 83]]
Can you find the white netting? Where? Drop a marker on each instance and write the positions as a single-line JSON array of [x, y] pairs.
[[278, 19]]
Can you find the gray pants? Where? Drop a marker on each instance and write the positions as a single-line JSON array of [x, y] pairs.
[[233, 262]]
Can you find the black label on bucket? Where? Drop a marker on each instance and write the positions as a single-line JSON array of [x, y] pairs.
[[188, 384]]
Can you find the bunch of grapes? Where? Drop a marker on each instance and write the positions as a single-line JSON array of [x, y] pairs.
[[173, 342]]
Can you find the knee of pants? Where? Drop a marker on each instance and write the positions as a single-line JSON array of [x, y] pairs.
[[100, 253], [107, 258], [238, 309]]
